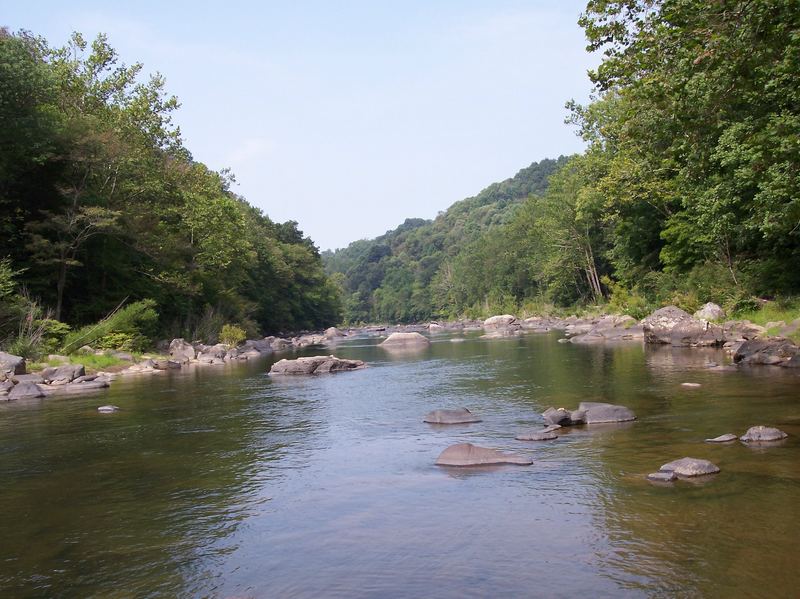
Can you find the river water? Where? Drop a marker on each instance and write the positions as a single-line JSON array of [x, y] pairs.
[[224, 482]]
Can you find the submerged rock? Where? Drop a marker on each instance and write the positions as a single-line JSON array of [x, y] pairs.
[[467, 454], [108, 409], [541, 435], [662, 477], [315, 365], [460, 416], [690, 385], [599, 412], [722, 438], [405, 340], [690, 467], [761, 434]]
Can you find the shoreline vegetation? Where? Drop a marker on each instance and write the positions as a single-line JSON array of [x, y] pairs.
[[114, 236]]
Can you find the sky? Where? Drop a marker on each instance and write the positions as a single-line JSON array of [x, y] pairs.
[[349, 117]]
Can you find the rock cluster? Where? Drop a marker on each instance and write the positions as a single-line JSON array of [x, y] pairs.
[[588, 412], [68, 378]]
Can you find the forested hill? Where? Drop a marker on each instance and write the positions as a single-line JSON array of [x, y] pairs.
[[102, 205], [396, 277]]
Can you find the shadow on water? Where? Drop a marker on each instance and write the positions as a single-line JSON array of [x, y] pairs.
[[222, 481]]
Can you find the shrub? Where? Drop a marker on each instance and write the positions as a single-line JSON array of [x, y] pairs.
[[138, 320], [626, 301], [232, 335]]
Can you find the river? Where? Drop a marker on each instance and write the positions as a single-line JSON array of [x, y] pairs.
[[223, 482]]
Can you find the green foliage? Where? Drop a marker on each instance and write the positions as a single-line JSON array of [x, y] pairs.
[[130, 342], [133, 321], [53, 333], [627, 301], [232, 335], [102, 202]]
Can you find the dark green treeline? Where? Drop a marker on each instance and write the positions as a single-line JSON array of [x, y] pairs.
[[101, 202]]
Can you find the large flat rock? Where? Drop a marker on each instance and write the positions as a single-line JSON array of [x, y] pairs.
[[467, 454], [690, 467], [315, 365]]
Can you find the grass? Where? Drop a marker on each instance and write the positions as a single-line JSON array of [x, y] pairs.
[[89, 361], [787, 310]]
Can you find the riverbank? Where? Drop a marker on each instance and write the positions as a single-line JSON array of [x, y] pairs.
[[746, 342]]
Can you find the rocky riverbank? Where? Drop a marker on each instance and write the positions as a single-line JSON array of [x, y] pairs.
[[747, 343]]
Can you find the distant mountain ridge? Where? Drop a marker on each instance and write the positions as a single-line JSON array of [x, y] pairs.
[[388, 278]]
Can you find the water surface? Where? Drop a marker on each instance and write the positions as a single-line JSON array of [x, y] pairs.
[[224, 482]]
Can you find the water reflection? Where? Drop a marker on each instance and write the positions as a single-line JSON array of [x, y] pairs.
[[224, 481]]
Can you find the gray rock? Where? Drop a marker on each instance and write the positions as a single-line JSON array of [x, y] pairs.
[[61, 375], [25, 391], [108, 409], [690, 467], [28, 378], [405, 339], [181, 351], [770, 352], [166, 364], [85, 378], [315, 365], [696, 333], [122, 355], [309, 340], [556, 416], [722, 438], [280, 344], [598, 412], [551, 427], [537, 436], [762, 434], [333, 333], [657, 327], [467, 454], [577, 416], [710, 311], [662, 477], [460, 416], [502, 321], [11, 364], [93, 385], [690, 385]]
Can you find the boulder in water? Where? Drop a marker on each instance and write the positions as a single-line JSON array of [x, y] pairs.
[[722, 438], [460, 416], [108, 409], [315, 365], [467, 454], [556, 416], [181, 351], [405, 340], [599, 412], [690, 467], [710, 311], [11, 364], [25, 391], [762, 434]]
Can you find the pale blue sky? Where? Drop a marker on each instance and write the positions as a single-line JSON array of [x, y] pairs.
[[349, 117]]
